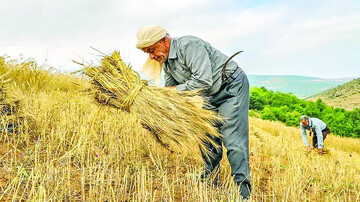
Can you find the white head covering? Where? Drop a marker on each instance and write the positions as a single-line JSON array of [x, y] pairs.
[[148, 35]]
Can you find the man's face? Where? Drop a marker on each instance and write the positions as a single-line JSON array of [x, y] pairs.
[[304, 122], [158, 51]]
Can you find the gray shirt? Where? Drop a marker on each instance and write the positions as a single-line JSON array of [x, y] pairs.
[[195, 64], [317, 125]]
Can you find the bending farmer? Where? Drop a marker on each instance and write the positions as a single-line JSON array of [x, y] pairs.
[[318, 128], [190, 63]]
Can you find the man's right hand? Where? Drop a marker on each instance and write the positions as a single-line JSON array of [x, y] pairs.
[[309, 148]]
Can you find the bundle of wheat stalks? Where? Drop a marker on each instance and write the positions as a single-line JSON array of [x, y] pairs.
[[170, 115]]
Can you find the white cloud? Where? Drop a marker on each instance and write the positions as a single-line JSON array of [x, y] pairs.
[[272, 33], [314, 34]]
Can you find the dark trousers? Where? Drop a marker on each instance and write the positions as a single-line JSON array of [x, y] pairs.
[[324, 133], [232, 103]]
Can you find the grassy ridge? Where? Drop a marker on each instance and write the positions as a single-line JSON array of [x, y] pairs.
[[345, 96], [78, 150]]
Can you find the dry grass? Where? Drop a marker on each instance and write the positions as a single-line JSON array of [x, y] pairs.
[[282, 168], [82, 151]]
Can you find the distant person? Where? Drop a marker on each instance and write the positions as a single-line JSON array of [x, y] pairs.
[[318, 128]]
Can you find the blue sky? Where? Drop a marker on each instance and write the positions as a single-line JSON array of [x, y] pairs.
[[309, 38]]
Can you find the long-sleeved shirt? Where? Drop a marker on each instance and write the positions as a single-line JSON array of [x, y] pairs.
[[317, 125], [195, 64]]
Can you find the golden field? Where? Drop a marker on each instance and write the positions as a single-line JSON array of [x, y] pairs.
[[69, 148]]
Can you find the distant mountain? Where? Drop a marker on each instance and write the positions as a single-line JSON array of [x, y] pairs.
[[346, 96], [301, 86]]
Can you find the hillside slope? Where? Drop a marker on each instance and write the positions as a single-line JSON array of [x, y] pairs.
[[69, 148], [345, 96], [301, 86]]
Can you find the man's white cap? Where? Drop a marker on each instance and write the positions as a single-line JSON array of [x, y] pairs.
[[148, 35]]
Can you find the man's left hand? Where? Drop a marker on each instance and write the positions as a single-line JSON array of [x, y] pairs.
[[320, 151]]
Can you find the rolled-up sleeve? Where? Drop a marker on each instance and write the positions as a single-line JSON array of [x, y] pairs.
[[303, 135], [197, 59]]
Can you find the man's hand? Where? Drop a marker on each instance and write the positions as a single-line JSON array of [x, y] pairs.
[[320, 151], [171, 87], [309, 148]]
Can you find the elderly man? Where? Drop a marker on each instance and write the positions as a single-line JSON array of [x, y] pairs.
[[316, 126], [190, 63]]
